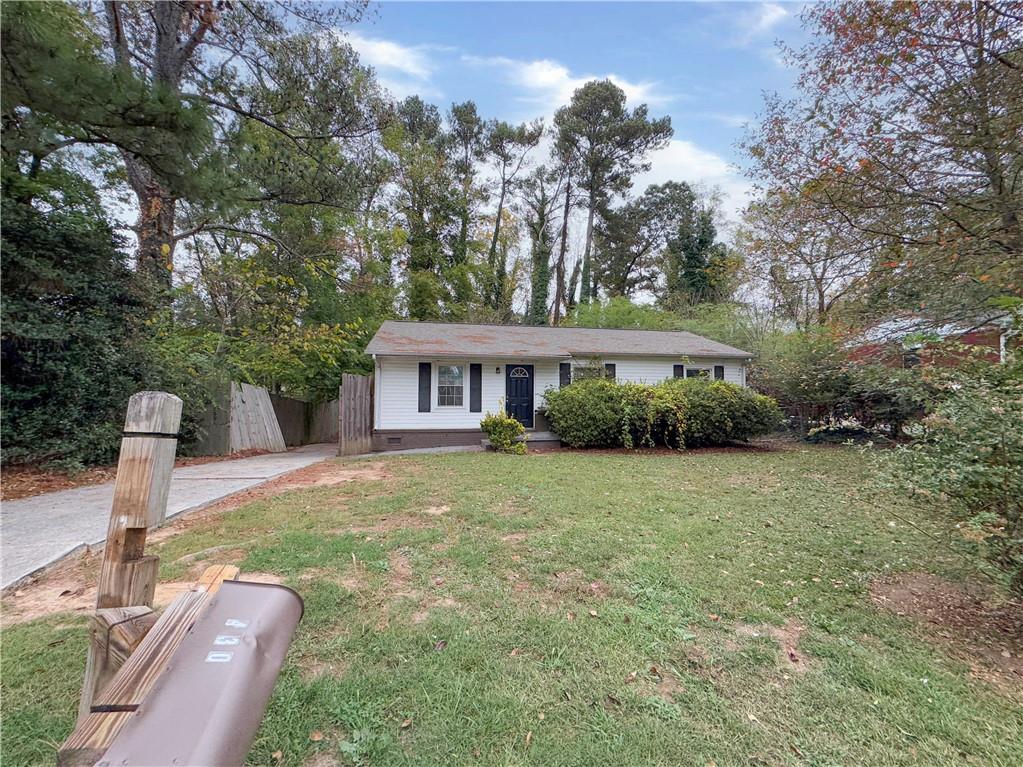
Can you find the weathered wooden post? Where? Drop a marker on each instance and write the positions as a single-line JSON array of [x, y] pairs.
[[127, 578]]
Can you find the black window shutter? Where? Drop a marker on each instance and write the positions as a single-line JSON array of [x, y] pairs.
[[564, 374], [476, 387], [719, 372], [609, 370], [679, 371], [425, 369]]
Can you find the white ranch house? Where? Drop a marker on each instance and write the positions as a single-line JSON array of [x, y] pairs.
[[434, 381]]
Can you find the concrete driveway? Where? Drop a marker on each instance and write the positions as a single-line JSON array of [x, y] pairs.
[[37, 531]]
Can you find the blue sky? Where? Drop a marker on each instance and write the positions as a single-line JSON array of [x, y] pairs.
[[704, 64]]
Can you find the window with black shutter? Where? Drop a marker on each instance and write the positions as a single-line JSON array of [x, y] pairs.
[[678, 371], [564, 374], [609, 370], [719, 372], [476, 388], [425, 373]]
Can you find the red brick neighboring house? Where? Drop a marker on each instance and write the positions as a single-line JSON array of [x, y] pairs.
[[912, 341]]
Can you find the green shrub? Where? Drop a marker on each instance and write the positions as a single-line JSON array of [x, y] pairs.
[[969, 460], [504, 433], [73, 324], [676, 413], [815, 381], [587, 413]]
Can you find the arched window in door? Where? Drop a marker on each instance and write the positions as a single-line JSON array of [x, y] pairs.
[[518, 372]]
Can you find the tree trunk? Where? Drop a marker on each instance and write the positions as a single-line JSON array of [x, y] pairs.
[[573, 283], [585, 291], [559, 287], [496, 286], [154, 226]]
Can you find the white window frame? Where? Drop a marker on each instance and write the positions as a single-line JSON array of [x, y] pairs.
[[585, 363], [436, 384]]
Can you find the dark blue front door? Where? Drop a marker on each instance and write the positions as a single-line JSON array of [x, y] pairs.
[[518, 393]]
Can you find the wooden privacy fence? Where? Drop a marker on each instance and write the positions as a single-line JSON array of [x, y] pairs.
[[253, 420], [356, 415], [244, 417]]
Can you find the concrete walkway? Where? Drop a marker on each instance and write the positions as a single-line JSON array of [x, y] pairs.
[[37, 531]]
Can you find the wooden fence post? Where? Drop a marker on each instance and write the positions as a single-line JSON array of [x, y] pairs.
[[127, 576]]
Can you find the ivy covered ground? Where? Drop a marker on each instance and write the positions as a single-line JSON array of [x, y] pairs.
[[727, 607]]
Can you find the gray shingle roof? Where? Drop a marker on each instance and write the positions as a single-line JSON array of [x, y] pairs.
[[450, 339]]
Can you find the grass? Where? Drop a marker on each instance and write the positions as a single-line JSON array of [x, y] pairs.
[[582, 609]]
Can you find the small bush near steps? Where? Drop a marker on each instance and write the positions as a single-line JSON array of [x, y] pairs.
[[504, 433]]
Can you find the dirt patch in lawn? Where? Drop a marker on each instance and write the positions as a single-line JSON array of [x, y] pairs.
[[62, 596], [329, 473], [980, 629], [790, 657], [383, 525], [575, 583], [322, 759], [313, 668], [443, 603], [666, 684], [323, 474], [514, 538], [561, 589], [399, 576]]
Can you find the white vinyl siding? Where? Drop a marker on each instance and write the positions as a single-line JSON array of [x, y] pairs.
[[654, 369], [397, 392], [397, 386]]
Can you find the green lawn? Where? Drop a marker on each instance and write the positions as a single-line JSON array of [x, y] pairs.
[[582, 609]]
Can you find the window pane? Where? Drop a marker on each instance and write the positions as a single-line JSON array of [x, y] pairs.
[[450, 380]]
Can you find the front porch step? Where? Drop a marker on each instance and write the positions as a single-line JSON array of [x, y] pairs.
[[531, 438]]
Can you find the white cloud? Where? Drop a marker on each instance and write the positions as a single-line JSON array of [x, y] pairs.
[[758, 21], [388, 56], [550, 84], [726, 118], [403, 70], [683, 160]]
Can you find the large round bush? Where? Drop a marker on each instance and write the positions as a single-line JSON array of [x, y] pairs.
[[676, 413], [587, 414], [718, 412]]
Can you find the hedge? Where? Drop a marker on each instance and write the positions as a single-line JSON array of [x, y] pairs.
[[677, 413]]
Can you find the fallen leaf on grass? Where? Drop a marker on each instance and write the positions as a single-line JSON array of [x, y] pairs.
[[714, 617], [440, 645], [529, 738], [516, 651], [593, 613], [316, 736], [406, 724], [277, 755], [631, 677], [571, 616]]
